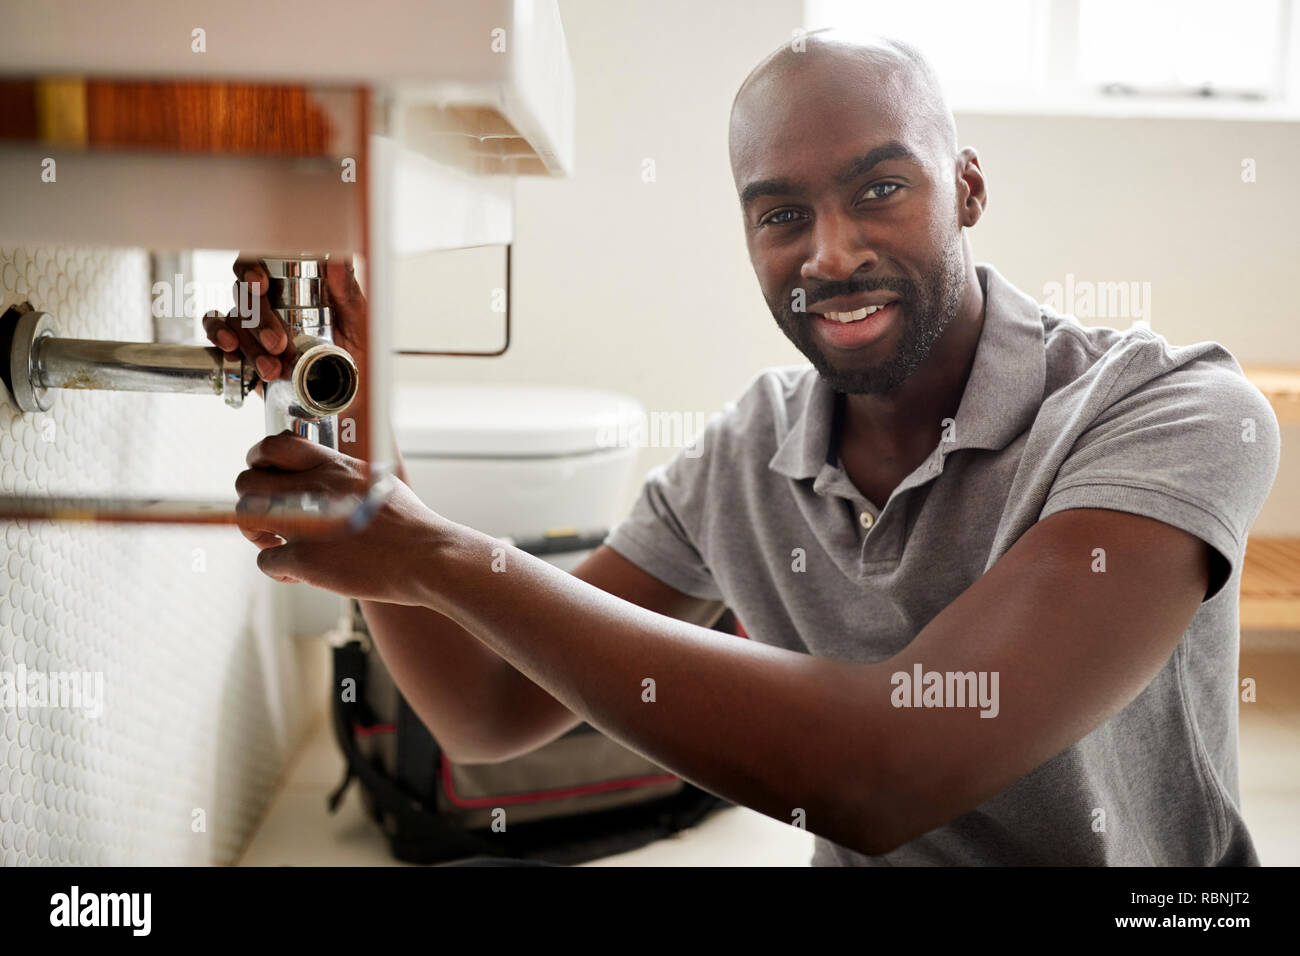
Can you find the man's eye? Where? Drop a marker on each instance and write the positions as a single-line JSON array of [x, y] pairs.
[[775, 218], [892, 187]]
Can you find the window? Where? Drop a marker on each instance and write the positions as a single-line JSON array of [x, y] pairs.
[[1192, 57], [1201, 47]]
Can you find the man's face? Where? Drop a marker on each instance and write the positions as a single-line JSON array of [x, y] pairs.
[[849, 201]]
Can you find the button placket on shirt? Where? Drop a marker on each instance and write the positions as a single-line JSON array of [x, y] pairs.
[[877, 543], [833, 480], [879, 538]]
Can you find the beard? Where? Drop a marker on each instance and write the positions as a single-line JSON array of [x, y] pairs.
[[927, 309]]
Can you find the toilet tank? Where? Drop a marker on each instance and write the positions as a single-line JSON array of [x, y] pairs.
[[519, 461]]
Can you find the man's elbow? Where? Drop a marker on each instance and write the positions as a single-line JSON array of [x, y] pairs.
[[893, 810], [876, 838], [865, 833], [874, 822], [895, 815]]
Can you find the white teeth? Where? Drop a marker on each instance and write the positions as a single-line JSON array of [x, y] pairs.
[[855, 316]]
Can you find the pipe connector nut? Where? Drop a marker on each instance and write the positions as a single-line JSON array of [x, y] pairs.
[[325, 378]]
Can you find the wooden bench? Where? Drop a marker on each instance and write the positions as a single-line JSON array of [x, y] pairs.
[[1270, 584], [1270, 578]]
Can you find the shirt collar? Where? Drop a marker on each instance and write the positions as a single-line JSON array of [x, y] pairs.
[[1002, 396]]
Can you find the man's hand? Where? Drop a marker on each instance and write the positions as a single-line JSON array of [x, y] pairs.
[[377, 563], [259, 334]]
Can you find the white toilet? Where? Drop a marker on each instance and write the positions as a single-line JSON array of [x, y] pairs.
[[520, 461]]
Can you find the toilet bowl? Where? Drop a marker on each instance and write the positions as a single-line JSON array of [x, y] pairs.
[[519, 461], [516, 461]]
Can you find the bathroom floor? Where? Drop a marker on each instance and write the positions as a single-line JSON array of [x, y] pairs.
[[299, 831], [1270, 746]]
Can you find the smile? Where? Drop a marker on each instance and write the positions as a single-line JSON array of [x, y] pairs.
[[855, 316], [856, 329]]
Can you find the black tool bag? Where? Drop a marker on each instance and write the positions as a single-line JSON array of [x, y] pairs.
[[577, 798]]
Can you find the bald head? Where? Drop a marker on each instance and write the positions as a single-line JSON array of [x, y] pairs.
[[853, 191], [876, 70]]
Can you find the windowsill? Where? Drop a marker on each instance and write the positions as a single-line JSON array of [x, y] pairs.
[[1136, 108]]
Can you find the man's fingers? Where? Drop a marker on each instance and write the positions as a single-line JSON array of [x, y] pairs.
[[246, 261], [219, 333], [254, 525], [214, 327], [286, 451], [346, 302], [266, 521], [251, 290], [267, 482], [268, 366], [344, 290], [263, 539], [279, 563]]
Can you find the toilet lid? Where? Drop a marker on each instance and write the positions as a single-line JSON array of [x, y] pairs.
[[514, 421]]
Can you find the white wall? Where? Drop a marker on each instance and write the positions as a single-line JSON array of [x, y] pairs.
[[647, 287], [1158, 201], [205, 696]]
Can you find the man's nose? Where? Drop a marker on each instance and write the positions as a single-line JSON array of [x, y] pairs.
[[838, 249]]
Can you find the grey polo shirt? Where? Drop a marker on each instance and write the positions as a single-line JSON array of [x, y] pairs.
[[1055, 415]]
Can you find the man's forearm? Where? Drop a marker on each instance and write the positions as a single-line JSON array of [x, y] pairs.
[[478, 707], [463, 692], [435, 664], [755, 724]]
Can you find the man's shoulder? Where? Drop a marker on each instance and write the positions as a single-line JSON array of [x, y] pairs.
[[1101, 366], [1131, 405], [754, 424], [773, 400], [779, 388]]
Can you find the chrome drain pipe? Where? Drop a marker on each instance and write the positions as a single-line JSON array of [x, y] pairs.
[[323, 377], [322, 380]]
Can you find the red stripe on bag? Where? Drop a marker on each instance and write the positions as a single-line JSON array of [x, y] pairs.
[[559, 794]]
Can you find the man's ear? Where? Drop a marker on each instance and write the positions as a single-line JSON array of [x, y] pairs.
[[971, 190]]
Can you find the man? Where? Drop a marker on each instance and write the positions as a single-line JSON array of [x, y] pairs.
[[989, 558]]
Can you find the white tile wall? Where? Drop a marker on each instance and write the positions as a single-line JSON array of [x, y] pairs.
[[204, 693]]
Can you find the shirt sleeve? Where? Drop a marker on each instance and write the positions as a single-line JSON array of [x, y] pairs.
[[661, 534], [1197, 448]]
